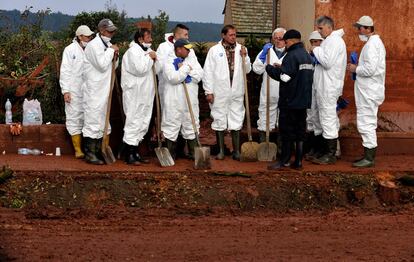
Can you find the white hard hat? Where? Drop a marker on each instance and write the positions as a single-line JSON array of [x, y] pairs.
[[364, 21], [315, 35], [83, 30]]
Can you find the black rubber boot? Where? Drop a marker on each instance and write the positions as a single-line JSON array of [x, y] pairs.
[[191, 145], [235, 138], [138, 157], [298, 155], [279, 143], [98, 149], [262, 136], [368, 160], [220, 143], [318, 148], [171, 145], [90, 155], [130, 156], [284, 158], [329, 157]]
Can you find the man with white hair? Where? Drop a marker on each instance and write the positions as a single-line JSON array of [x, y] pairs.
[[369, 88], [72, 83], [277, 51], [328, 82]]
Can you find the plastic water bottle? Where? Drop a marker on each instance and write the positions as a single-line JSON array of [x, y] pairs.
[[9, 114]]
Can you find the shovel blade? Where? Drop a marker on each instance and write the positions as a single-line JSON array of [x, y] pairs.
[[267, 152], [249, 152], [107, 155], [164, 156], [202, 158]]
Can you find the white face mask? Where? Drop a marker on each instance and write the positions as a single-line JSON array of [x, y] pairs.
[[83, 44], [106, 39], [280, 49], [363, 38], [146, 45]]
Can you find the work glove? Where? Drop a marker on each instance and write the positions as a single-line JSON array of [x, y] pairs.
[[342, 103], [177, 61], [354, 60], [265, 49]]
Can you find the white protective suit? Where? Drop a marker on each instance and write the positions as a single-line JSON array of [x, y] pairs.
[[138, 92], [328, 83], [72, 81], [260, 68], [98, 68], [175, 113], [228, 109], [370, 89]]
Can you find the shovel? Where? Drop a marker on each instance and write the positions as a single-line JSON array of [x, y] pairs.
[[248, 149], [201, 153], [267, 150], [163, 154], [107, 154]]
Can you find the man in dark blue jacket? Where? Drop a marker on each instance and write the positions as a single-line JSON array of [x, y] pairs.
[[295, 96]]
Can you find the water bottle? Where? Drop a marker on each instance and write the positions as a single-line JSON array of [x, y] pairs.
[[9, 115]]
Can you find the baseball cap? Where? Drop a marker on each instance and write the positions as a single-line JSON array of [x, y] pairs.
[[292, 34], [83, 30], [364, 21], [182, 42], [107, 24]]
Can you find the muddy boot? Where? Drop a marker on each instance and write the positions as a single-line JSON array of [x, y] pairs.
[[180, 145], [77, 144], [90, 155], [368, 160], [235, 139], [284, 157], [98, 149], [171, 145], [138, 157], [129, 156], [329, 157], [317, 148], [191, 145], [262, 136], [220, 143], [298, 155], [279, 146]]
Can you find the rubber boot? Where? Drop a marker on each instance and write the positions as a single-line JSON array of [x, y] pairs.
[[129, 156], [77, 144], [284, 158], [138, 157], [90, 147], [98, 149], [368, 160], [191, 145], [318, 148], [180, 147], [171, 145], [235, 138], [329, 157], [298, 155], [220, 143], [262, 136], [279, 143]]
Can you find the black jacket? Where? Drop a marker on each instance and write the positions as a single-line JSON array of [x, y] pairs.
[[297, 92]]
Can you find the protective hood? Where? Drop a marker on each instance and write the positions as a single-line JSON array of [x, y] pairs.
[[339, 32]]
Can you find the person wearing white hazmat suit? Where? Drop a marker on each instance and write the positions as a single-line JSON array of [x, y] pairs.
[[175, 113], [224, 88], [99, 54], [72, 83], [277, 52], [138, 91], [328, 83], [369, 88]]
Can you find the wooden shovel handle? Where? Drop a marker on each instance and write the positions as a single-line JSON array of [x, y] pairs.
[[246, 98], [268, 100], [105, 140], [190, 108], [157, 102]]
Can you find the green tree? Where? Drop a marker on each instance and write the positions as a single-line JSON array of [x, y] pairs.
[[159, 29]]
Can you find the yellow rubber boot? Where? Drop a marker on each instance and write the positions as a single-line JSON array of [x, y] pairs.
[[77, 141]]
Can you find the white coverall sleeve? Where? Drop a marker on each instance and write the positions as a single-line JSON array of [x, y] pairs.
[[371, 60], [196, 72], [248, 64], [258, 66], [138, 65], [208, 78], [327, 55], [66, 72], [173, 76], [162, 56], [101, 59]]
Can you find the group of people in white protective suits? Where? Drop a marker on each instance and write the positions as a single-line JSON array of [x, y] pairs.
[[86, 74]]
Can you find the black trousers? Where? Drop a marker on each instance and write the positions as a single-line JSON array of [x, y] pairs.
[[292, 124]]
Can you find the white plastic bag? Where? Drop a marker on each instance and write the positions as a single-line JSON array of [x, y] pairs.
[[32, 112]]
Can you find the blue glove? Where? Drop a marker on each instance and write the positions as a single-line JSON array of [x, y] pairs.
[[263, 55], [177, 61], [354, 60], [342, 103], [314, 59], [188, 79]]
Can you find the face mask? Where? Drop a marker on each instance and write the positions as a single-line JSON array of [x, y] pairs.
[[363, 38], [146, 45], [83, 44], [280, 49], [106, 39]]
